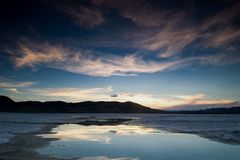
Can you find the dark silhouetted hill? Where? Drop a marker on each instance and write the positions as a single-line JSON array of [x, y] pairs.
[[8, 105], [232, 110]]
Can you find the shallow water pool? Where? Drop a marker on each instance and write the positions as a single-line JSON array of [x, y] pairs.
[[133, 142]]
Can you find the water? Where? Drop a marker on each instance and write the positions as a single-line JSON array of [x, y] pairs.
[[133, 142], [147, 137]]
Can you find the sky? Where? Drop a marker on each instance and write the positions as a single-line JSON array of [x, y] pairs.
[[163, 54]]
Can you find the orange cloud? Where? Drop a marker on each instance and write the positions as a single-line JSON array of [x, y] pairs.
[[84, 62]]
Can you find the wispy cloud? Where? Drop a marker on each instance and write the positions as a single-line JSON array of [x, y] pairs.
[[168, 101], [222, 19], [177, 33], [106, 94], [190, 98], [82, 15], [13, 90], [173, 34], [174, 29], [170, 41], [165, 34], [73, 94], [222, 38], [90, 63], [86, 62], [34, 54], [200, 99], [139, 11], [219, 59], [14, 86], [7, 83], [97, 94]]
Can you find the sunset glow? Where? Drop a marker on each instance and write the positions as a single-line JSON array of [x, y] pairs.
[[156, 53]]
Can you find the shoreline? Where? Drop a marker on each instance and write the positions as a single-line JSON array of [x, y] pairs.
[[24, 145]]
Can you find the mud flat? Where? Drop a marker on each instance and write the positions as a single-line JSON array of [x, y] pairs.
[[23, 146]]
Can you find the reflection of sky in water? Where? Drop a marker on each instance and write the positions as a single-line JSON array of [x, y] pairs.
[[130, 142], [106, 158], [95, 133]]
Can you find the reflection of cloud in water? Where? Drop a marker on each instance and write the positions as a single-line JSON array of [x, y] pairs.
[[95, 133], [106, 158]]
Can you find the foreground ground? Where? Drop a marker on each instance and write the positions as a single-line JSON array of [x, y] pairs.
[[19, 133]]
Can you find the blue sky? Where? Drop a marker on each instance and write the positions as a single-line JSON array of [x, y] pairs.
[[161, 54]]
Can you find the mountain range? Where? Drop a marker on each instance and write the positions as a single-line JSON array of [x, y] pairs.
[[8, 105]]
